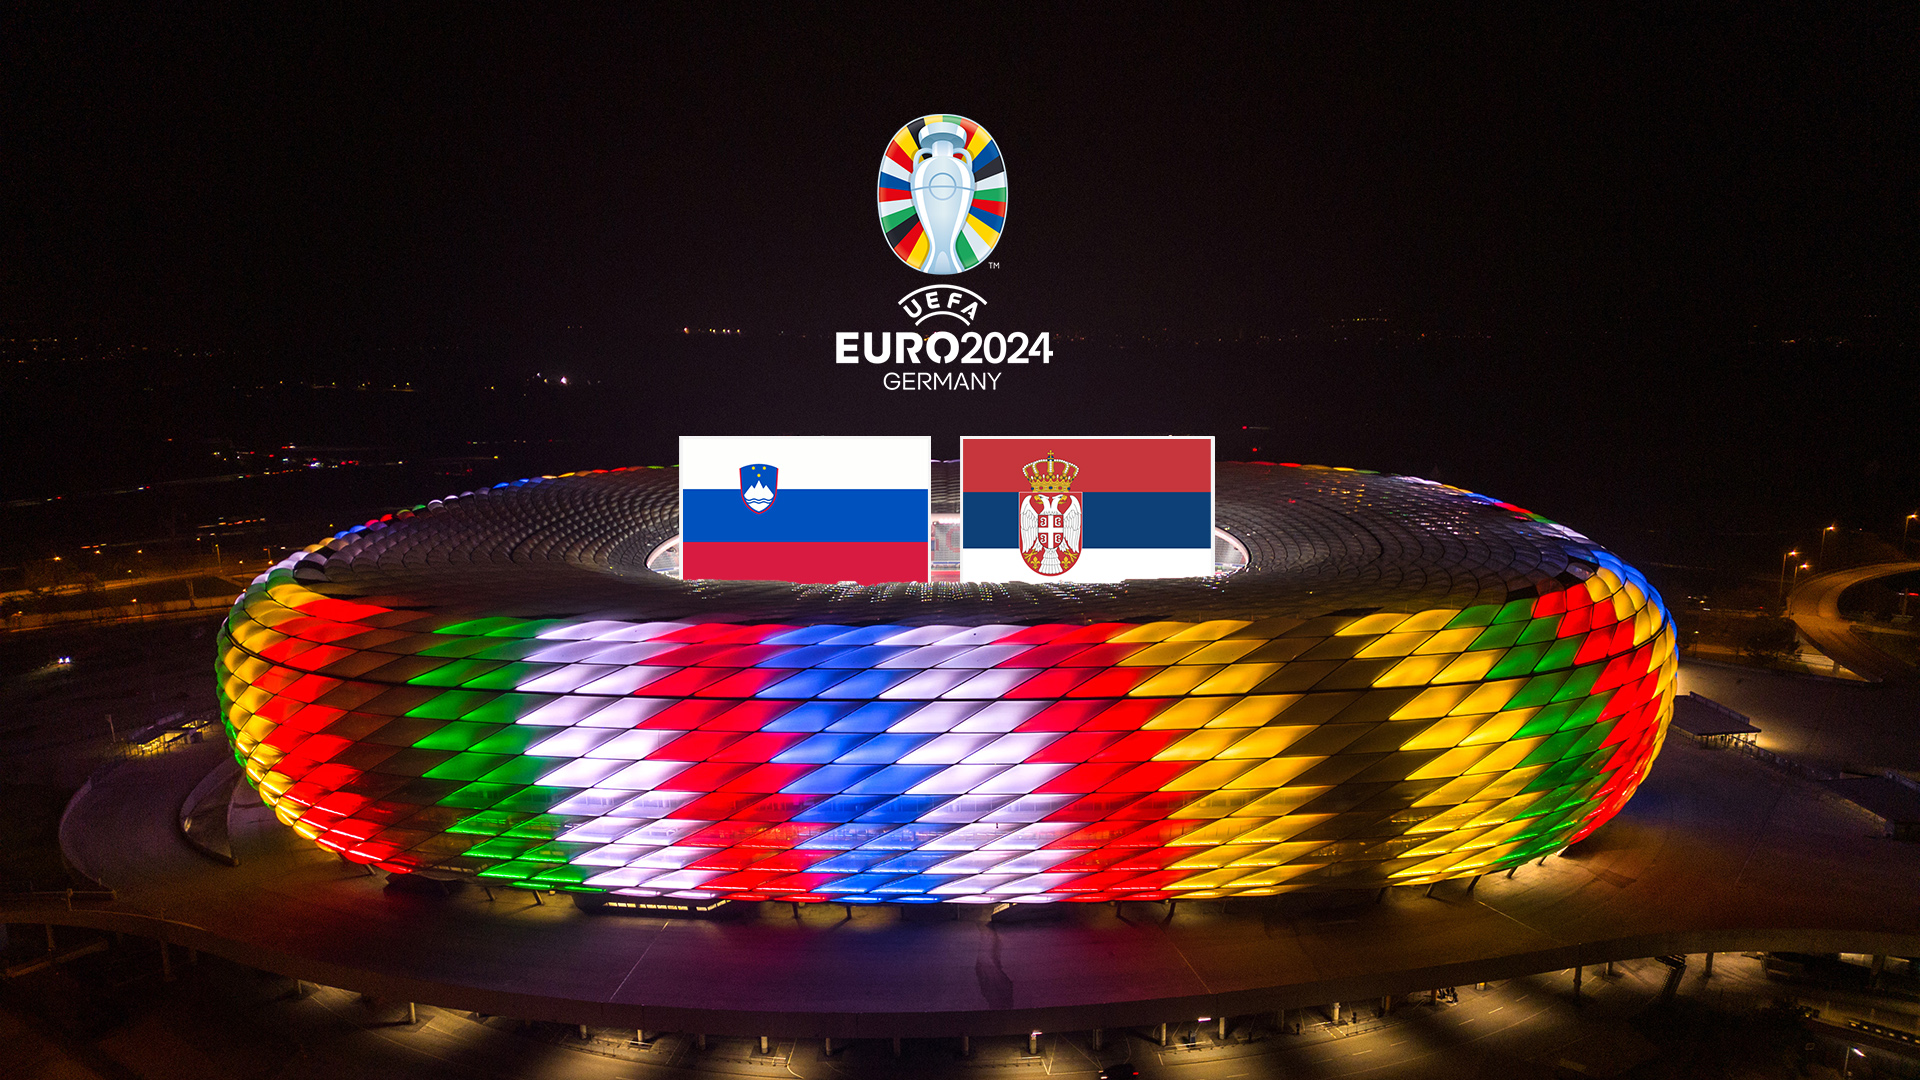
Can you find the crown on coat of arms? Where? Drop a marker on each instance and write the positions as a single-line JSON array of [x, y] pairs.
[[1049, 474]]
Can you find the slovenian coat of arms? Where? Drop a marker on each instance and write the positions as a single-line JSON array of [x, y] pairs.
[[1050, 517], [758, 486]]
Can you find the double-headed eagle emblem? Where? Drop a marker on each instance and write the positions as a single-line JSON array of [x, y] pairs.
[[1050, 517]]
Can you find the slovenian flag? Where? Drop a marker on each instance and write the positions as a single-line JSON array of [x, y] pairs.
[[806, 509], [1085, 509]]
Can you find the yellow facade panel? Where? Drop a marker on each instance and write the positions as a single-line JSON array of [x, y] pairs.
[[1388, 645], [1430, 620], [1266, 742], [1490, 697], [1166, 652], [1470, 667], [1237, 678], [1285, 828], [1202, 745], [1380, 623], [1512, 783], [1453, 763], [1209, 775], [1150, 632], [1413, 671], [1432, 703], [1173, 682], [1499, 727], [1508, 754], [1223, 652], [1449, 641], [1283, 801], [1443, 734], [1212, 630], [1254, 711], [1190, 712]]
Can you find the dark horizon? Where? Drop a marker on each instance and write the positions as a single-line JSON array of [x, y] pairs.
[[415, 176], [1663, 259]]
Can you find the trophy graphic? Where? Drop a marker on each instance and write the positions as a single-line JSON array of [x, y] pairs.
[[942, 192]]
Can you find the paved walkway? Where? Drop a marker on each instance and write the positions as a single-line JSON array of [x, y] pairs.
[[221, 1020], [1717, 853]]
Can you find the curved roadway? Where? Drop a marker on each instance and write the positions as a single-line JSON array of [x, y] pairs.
[[1814, 607], [1717, 853]]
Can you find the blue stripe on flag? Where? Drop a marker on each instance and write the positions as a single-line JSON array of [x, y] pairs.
[[1114, 519], [807, 515]]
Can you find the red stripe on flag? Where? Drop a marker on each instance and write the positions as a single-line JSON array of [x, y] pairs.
[[1178, 464], [865, 563]]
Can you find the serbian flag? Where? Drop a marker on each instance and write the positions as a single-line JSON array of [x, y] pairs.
[[1085, 509], [806, 509]]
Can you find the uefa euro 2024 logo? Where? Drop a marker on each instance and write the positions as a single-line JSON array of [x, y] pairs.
[[943, 204], [943, 194]]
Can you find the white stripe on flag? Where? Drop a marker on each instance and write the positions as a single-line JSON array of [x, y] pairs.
[[1096, 564]]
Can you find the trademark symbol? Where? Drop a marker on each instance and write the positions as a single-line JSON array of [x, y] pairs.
[[993, 265]]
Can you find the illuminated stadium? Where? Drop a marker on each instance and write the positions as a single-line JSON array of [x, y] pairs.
[[1391, 682]]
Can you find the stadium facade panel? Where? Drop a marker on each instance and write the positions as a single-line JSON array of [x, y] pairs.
[[1406, 683]]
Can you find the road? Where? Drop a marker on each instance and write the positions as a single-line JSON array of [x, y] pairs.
[[1814, 607]]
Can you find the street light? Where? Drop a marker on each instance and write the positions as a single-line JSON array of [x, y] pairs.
[[1823, 543], [1794, 554], [1905, 528]]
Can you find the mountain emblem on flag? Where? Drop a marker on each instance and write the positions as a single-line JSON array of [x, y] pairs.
[[759, 484], [1051, 515]]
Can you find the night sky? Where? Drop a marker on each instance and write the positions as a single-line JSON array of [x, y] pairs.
[[1664, 258]]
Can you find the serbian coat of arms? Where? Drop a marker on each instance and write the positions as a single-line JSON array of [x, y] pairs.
[[1050, 517]]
